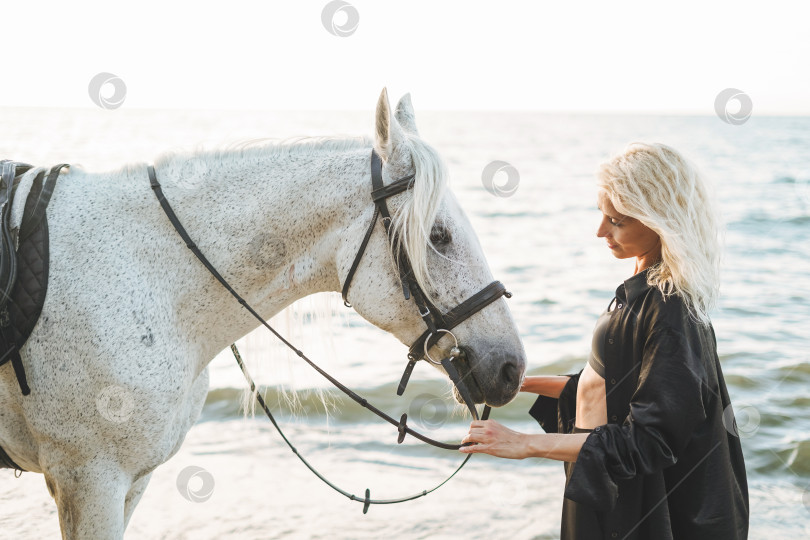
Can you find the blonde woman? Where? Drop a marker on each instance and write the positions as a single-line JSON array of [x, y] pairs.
[[646, 428]]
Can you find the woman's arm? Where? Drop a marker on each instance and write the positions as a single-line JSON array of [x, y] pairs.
[[545, 385], [498, 440]]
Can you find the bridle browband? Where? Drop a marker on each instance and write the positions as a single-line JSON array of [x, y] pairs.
[[436, 321]]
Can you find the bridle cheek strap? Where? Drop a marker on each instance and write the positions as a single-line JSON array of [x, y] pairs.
[[357, 258], [379, 193]]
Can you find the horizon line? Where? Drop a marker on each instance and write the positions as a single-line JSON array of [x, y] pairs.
[[605, 112]]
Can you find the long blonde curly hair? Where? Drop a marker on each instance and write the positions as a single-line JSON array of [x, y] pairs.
[[663, 190]]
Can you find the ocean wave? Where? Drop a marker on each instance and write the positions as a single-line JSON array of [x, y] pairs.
[[428, 404], [790, 180], [760, 219]]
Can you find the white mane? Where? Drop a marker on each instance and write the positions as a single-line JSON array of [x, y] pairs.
[[414, 219]]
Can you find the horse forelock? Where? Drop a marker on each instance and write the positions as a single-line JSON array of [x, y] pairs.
[[414, 219]]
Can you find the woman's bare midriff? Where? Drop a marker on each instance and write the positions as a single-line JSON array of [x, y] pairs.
[[591, 400]]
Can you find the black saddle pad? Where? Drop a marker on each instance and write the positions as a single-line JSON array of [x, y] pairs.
[[28, 283], [28, 294]]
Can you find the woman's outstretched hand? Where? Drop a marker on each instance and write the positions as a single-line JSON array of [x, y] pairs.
[[495, 439]]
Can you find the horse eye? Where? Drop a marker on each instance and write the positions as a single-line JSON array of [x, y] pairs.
[[440, 236]]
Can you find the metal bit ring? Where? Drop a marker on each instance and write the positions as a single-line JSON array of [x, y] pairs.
[[427, 339]]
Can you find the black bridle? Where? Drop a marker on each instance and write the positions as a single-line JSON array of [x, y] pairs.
[[435, 320]]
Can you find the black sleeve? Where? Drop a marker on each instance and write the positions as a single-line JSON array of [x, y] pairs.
[[667, 406], [551, 413]]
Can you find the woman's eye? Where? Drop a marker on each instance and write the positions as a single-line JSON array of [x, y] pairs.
[[439, 236], [615, 222]]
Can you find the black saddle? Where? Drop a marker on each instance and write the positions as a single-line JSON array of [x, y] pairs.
[[23, 262]]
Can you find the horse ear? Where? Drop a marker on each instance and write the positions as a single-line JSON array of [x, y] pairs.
[[405, 115], [388, 133]]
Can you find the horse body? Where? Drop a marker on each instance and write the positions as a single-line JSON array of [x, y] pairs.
[[118, 360]]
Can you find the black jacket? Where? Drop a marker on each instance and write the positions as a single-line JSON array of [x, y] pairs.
[[668, 464]]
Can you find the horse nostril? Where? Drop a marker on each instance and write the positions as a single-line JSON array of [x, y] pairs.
[[509, 374]]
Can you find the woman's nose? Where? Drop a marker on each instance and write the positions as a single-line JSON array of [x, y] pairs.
[[601, 230]]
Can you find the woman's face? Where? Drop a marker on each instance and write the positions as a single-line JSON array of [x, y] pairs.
[[626, 237]]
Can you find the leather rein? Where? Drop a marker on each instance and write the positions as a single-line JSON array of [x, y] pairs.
[[436, 321]]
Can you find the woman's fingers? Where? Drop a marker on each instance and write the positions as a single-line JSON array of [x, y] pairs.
[[472, 444], [481, 431], [493, 438]]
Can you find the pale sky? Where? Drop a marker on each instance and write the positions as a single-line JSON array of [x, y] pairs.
[[563, 55]]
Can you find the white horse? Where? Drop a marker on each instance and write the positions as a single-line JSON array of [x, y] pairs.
[[118, 362]]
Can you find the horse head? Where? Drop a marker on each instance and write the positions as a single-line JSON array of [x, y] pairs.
[[429, 232]]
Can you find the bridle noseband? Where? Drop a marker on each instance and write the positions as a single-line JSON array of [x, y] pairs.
[[436, 321]]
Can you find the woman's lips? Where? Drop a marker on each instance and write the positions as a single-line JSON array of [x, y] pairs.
[[612, 246]]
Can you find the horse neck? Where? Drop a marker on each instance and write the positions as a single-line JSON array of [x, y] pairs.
[[271, 225]]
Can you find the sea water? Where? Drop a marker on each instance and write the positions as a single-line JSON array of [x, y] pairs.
[[541, 243]]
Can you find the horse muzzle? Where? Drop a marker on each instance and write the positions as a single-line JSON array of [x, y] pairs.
[[501, 387]]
